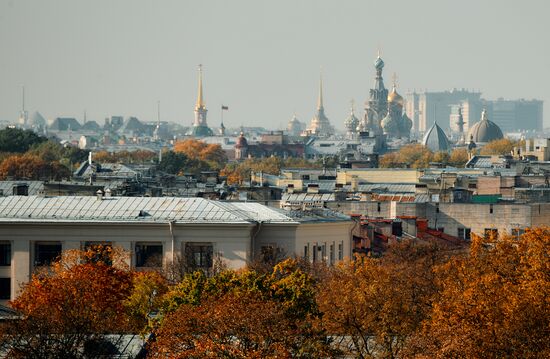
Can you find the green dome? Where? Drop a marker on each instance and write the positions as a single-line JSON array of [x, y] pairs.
[[202, 131], [390, 125]]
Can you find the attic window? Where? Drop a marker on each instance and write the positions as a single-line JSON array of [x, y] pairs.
[[143, 213]]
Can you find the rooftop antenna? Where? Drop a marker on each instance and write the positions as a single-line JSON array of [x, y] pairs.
[[23, 117], [158, 112]]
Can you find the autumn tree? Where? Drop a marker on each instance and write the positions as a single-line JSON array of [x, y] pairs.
[[459, 157], [32, 167], [238, 172], [137, 156], [78, 300], [503, 146], [442, 157], [493, 303], [375, 304], [409, 156], [213, 154], [243, 315], [51, 151], [145, 299]]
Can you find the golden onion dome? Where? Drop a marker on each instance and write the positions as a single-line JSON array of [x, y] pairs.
[[394, 97]]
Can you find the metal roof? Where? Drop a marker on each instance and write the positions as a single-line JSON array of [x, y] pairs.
[[385, 187], [134, 209]]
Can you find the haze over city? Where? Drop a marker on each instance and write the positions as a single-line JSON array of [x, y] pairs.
[[261, 59]]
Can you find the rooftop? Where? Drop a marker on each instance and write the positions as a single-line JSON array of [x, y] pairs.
[[134, 209]]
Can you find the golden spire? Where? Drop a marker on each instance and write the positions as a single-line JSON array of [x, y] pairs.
[[320, 100], [200, 101], [394, 79]]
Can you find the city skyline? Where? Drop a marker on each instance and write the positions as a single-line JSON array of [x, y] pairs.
[[117, 59]]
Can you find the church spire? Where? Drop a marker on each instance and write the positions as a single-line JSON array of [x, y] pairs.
[[320, 100], [200, 101]]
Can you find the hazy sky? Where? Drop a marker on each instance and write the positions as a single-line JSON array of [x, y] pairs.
[[261, 58]]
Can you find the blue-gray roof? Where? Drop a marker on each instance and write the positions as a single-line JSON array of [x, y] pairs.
[[436, 140], [134, 209]]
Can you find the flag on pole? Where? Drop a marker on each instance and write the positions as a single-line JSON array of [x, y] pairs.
[[225, 107]]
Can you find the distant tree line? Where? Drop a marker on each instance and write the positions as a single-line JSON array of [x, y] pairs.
[[26, 155]]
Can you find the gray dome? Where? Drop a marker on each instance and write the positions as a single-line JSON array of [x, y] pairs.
[[406, 125], [436, 140], [294, 126], [485, 130], [390, 125], [351, 122], [379, 63]]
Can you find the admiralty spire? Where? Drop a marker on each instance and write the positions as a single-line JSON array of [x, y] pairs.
[[200, 127], [320, 124]]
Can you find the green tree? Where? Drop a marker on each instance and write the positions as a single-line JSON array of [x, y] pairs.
[[17, 140], [174, 162]]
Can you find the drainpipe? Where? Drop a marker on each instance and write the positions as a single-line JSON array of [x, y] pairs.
[[253, 239], [171, 226]]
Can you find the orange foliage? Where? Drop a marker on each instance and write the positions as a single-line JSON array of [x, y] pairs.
[[234, 326], [503, 146], [138, 156], [379, 302], [65, 307], [198, 150], [413, 156], [494, 303], [32, 167], [80, 289]]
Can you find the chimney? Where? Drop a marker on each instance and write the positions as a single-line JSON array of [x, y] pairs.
[[313, 188], [354, 183], [108, 193], [99, 194], [21, 189], [290, 188]]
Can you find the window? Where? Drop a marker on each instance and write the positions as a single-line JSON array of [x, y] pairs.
[[148, 255], [45, 253], [200, 255], [101, 251], [464, 233], [491, 233], [517, 232], [268, 254], [491, 208], [441, 229], [5, 254], [323, 252], [314, 253], [341, 251], [331, 258], [5, 288], [306, 253], [305, 177], [378, 206]]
